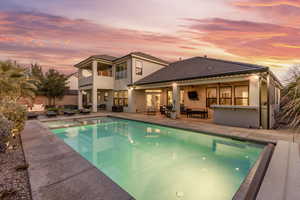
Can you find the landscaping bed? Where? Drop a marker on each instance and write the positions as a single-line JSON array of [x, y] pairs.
[[14, 180]]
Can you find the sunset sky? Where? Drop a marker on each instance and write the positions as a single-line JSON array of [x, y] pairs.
[[60, 33]]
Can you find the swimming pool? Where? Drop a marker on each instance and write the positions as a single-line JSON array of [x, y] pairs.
[[157, 162]]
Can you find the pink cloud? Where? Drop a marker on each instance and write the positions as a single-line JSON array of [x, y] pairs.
[[55, 40], [283, 11], [249, 39]]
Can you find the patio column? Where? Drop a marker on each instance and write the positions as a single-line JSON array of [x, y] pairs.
[[131, 100], [79, 99], [254, 90], [176, 103], [94, 87], [110, 100]]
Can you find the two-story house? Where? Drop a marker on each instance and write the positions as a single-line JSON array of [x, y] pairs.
[[233, 93], [104, 79]]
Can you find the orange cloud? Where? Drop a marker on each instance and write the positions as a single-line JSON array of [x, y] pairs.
[[265, 3], [286, 45]]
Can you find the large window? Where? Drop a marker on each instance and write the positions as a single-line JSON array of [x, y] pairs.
[[121, 98], [105, 96], [104, 70], [121, 71], [181, 97], [226, 95], [138, 68], [170, 98], [211, 96], [241, 95]]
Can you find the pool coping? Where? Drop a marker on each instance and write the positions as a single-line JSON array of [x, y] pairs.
[[56, 171], [270, 181]]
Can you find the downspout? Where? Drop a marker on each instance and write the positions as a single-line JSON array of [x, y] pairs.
[[268, 99], [259, 96]]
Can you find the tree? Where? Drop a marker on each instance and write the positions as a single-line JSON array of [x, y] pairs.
[[53, 85], [291, 99], [15, 82]]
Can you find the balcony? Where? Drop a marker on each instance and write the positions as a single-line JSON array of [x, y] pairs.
[[102, 82], [85, 81]]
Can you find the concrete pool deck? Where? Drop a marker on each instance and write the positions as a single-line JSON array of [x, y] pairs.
[[58, 172]]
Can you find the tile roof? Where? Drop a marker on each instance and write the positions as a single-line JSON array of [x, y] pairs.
[[147, 56], [112, 58], [198, 67], [104, 57]]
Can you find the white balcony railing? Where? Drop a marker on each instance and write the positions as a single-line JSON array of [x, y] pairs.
[[84, 81], [102, 82]]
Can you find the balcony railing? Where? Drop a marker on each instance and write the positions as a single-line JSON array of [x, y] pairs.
[[102, 82], [84, 81]]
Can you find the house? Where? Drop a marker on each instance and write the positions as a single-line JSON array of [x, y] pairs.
[[233, 93]]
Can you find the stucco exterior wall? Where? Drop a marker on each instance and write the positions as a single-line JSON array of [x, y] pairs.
[[247, 118], [147, 68], [66, 100], [73, 82]]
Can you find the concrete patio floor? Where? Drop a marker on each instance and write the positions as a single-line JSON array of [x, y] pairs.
[[58, 172]]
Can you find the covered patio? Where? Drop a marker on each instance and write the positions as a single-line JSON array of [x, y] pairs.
[[197, 99]]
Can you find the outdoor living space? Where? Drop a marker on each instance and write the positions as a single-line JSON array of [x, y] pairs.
[[242, 97], [196, 100]]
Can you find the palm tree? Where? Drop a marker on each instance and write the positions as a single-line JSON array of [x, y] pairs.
[[15, 82], [291, 99]]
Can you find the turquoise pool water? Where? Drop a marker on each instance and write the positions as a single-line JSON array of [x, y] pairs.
[[154, 162]]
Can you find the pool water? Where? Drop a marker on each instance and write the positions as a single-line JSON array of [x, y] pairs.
[[153, 162]]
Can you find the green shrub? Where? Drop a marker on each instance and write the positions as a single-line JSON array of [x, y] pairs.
[[5, 133], [14, 112], [53, 109]]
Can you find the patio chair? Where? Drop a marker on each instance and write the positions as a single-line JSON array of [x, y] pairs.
[[183, 109], [117, 109], [69, 112], [85, 111], [101, 107]]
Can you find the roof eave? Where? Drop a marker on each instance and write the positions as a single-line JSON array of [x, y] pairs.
[[209, 76]]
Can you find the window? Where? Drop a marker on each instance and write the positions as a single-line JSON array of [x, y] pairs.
[[138, 68], [226, 95], [121, 98], [170, 98], [104, 70], [241, 95], [181, 97], [105, 96], [121, 71], [211, 96]]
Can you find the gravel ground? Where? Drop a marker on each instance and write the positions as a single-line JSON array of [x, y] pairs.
[[14, 181]]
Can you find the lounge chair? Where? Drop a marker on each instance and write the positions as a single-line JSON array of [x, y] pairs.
[[69, 112], [85, 111], [51, 114], [32, 115]]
